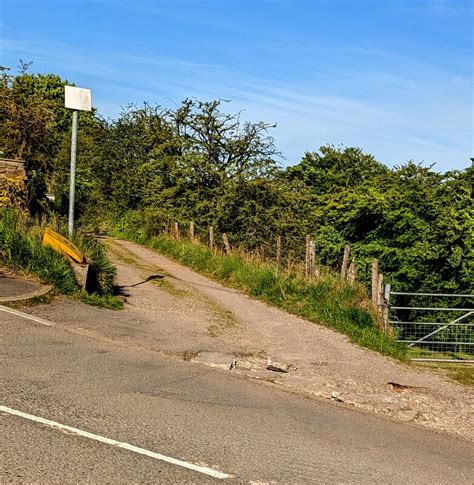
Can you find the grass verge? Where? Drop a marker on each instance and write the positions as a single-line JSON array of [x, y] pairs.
[[111, 302], [21, 250], [462, 374], [327, 300]]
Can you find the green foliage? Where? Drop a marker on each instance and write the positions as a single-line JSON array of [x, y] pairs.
[[153, 166], [110, 302], [334, 169], [35, 127], [102, 273], [32, 117], [464, 375], [417, 222]]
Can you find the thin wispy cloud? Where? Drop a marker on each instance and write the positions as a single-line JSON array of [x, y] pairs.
[[450, 6], [320, 81]]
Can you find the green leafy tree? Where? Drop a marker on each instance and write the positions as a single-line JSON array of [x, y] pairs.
[[153, 166]]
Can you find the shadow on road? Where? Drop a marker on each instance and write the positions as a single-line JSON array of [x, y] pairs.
[[150, 278]]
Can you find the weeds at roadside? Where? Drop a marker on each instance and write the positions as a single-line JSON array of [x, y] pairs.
[[21, 250], [36, 300], [464, 375], [110, 302]]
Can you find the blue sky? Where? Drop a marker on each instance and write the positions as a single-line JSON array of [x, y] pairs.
[[393, 77]]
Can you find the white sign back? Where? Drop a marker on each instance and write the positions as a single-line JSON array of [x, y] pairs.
[[77, 98]]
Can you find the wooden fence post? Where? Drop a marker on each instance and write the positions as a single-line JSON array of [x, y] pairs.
[[375, 281], [386, 308], [352, 272], [345, 261], [226, 243], [191, 231], [306, 264], [278, 254], [311, 259], [176, 230], [380, 293], [211, 238]]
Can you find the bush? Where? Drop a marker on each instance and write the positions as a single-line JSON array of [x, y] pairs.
[[102, 271]]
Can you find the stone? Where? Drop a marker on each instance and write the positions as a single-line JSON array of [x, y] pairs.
[[335, 396], [81, 271], [250, 364], [406, 415], [214, 359], [12, 168], [276, 366]]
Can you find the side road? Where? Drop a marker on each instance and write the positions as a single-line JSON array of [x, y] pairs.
[[171, 309]]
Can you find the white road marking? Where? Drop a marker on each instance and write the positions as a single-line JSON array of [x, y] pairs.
[[174, 461], [25, 315]]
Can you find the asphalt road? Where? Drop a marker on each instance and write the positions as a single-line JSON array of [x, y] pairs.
[[250, 431]]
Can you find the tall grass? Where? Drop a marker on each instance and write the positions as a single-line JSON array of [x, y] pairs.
[[327, 300], [21, 249]]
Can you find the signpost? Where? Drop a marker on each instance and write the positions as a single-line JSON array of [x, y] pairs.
[[77, 99]]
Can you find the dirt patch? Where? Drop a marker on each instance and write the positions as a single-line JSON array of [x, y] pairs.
[[221, 319], [188, 355]]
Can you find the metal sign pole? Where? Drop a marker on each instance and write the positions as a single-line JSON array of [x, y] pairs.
[[73, 173], [77, 99]]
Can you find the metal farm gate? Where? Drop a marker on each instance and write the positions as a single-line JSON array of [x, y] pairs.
[[436, 332]]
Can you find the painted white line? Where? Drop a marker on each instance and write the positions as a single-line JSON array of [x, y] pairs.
[[25, 315], [85, 434]]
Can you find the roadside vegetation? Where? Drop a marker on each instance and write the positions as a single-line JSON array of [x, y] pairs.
[[464, 375], [154, 167], [21, 250]]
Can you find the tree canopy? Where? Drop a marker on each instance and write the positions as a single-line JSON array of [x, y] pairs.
[[198, 162]]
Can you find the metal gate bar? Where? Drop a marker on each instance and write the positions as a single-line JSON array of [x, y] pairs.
[[432, 308], [449, 295], [442, 328], [440, 339]]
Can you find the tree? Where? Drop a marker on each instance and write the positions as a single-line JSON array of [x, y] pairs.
[[206, 156], [334, 169], [226, 146], [32, 117], [417, 222]]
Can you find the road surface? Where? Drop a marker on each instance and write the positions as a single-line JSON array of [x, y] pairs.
[[131, 415]]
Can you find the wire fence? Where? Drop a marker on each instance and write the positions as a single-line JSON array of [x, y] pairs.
[[437, 331]]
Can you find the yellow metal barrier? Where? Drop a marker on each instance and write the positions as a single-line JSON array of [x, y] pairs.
[[63, 246]]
